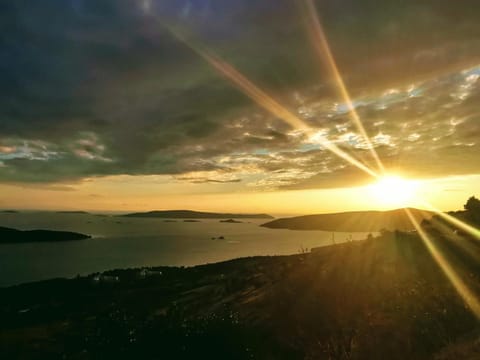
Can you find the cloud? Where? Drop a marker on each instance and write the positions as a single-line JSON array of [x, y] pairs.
[[105, 90], [202, 177], [89, 147], [35, 150]]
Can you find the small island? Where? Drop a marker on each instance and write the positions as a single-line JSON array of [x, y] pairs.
[[190, 214], [231, 221], [14, 236]]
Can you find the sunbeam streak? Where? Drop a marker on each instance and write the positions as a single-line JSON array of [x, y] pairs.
[[471, 230], [264, 100], [324, 52], [459, 241], [459, 285]]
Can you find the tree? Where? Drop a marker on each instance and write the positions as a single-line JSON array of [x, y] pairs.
[[473, 204], [473, 208]]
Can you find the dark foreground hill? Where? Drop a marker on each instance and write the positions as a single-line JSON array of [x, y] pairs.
[[361, 221], [190, 214], [8, 235], [382, 298]]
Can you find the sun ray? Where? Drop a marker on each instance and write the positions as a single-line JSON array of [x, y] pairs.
[[459, 285], [465, 245], [323, 50], [471, 230], [264, 100]]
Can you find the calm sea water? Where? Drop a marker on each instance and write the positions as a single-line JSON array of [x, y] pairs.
[[126, 242]]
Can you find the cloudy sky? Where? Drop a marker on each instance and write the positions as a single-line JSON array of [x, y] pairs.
[[104, 106]]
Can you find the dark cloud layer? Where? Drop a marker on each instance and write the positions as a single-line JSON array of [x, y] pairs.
[[99, 87]]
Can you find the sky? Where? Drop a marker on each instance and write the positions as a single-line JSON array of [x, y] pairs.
[[110, 105]]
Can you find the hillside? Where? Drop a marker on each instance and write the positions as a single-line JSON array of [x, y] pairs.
[[383, 298], [361, 221], [190, 214], [9, 236]]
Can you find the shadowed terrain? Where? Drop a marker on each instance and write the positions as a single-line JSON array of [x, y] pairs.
[[380, 298]]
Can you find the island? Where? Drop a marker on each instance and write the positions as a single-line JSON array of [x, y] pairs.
[[73, 212], [14, 236], [190, 214], [231, 221], [354, 221]]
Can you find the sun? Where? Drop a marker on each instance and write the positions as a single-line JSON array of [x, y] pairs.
[[393, 190]]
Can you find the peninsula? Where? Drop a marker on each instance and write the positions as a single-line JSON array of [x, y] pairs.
[[360, 221]]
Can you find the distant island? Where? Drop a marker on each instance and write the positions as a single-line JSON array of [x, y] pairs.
[[355, 221], [9, 211], [231, 221], [190, 214], [72, 212], [12, 236]]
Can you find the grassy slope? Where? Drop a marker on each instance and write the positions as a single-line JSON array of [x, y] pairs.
[[378, 299]]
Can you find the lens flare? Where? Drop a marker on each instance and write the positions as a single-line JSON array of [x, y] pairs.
[[459, 285], [264, 100], [323, 50], [467, 246], [459, 224]]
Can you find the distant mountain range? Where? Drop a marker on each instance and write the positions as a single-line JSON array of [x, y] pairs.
[[12, 236], [355, 221], [190, 214]]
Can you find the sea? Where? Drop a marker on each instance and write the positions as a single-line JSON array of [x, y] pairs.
[[120, 243]]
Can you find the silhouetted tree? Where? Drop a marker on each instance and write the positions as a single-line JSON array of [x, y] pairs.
[[473, 208], [473, 204]]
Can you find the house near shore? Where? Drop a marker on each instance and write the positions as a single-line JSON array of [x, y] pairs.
[[147, 273], [100, 278]]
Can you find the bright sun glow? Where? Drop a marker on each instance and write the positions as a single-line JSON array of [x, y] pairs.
[[392, 190]]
